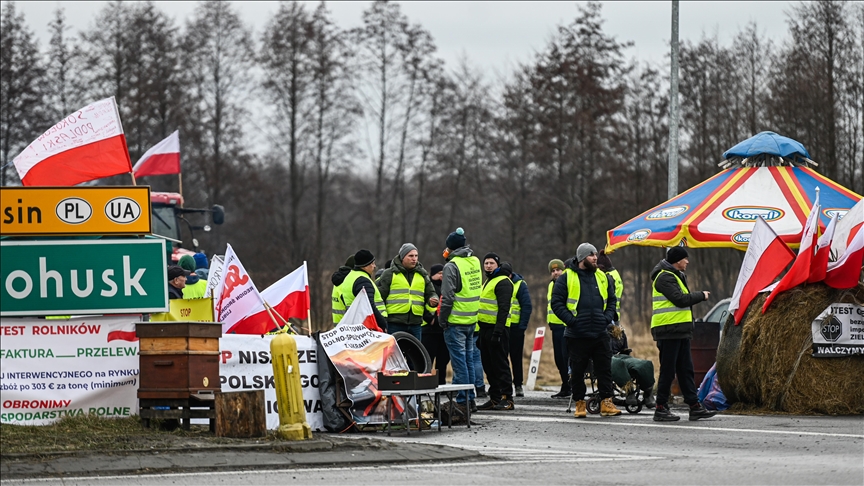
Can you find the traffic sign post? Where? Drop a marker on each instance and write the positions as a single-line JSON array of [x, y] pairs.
[[40, 278], [102, 210]]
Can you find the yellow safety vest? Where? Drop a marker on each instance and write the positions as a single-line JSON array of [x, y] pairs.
[[664, 311], [515, 308], [551, 318], [488, 303], [619, 287], [466, 302], [574, 288], [338, 307], [404, 298], [196, 290], [347, 291]]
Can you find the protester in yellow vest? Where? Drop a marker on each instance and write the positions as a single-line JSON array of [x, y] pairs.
[[361, 278], [196, 287], [462, 281], [556, 327], [494, 342], [672, 328], [406, 290], [584, 298], [337, 305]]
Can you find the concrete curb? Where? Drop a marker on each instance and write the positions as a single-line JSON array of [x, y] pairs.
[[276, 455]]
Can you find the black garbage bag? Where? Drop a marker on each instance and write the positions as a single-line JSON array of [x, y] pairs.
[[335, 419]]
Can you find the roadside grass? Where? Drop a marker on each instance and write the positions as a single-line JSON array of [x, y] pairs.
[[93, 433]]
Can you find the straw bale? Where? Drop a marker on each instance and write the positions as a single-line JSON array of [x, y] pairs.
[[766, 363]]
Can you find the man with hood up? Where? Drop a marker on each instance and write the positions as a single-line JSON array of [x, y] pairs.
[[406, 290]]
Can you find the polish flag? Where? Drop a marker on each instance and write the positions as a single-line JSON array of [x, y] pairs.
[[823, 251], [800, 270], [847, 226], [289, 297], [767, 255], [846, 271], [86, 145], [360, 312], [162, 159], [235, 295]]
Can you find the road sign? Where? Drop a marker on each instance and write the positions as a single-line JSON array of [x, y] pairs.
[[82, 277], [101, 210]]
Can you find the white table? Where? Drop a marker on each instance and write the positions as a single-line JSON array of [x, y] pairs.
[[448, 390]]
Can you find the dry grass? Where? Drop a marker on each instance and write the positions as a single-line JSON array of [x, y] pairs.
[[766, 363]]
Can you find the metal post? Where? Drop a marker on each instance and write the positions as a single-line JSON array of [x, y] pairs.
[[673, 108]]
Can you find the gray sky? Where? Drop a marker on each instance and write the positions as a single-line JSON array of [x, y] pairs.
[[496, 35]]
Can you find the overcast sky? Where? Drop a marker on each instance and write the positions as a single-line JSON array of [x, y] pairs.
[[496, 35]]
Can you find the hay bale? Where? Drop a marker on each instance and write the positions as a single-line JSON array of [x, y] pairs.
[[767, 363]]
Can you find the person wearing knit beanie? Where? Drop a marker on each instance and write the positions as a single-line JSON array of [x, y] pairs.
[[360, 279], [672, 326], [555, 264], [584, 250], [456, 239], [556, 327], [407, 290], [196, 286], [201, 261], [364, 259]]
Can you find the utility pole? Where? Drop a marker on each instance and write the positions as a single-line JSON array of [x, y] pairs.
[[673, 108]]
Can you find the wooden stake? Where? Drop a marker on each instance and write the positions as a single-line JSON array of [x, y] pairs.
[[180, 181], [270, 313], [133, 179]]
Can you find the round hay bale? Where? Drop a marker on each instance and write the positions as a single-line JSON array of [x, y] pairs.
[[767, 361]]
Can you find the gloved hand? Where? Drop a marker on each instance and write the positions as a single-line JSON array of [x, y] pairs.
[[496, 336]]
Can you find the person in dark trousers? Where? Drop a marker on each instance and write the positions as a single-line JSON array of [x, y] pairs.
[[556, 327], [494, 318], [406, 290], [584, 298], [433, 335], [176, 282], [672, 328], [520, 314]]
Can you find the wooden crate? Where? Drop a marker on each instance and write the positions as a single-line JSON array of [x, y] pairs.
[[178, 359]]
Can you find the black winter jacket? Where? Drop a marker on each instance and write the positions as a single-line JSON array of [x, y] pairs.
[[503, 296], [668, 286], [590, 321]]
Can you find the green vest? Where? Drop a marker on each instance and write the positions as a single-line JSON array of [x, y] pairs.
[[466, 302], [574, 288], [515, 308], [551, 318], [488, 303], [664, 311], [196, 290], [347, 291], [338, 307], [404, 298], [619, 287]]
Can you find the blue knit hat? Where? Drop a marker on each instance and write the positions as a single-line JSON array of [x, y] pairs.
[[201, 261]]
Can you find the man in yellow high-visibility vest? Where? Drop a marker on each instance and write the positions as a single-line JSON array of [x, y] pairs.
[[672, 328], [584, 298], [556, 327], [406, 290]]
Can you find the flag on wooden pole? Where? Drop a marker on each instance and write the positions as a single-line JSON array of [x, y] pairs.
[[86, 145], [162, 159]]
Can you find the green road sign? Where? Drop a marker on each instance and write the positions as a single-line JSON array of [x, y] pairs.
[[41, 278]]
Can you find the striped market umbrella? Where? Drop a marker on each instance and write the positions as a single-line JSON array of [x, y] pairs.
[[721, 211]]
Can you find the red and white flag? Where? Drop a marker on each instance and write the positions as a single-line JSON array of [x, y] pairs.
[[847, 226], [800, 270], [86, 145], [162, 159], [235, 295], [288, 297], [845, 273], [767, 255], [360, 312], [823, 252]]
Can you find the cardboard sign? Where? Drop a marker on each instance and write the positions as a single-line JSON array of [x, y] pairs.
[[103, 210]]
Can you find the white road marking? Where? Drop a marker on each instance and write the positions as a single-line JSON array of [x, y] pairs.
[[617, 422]]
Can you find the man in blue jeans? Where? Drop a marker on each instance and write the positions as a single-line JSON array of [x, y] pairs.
[[460, 301]]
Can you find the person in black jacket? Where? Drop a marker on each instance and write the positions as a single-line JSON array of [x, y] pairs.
[[433, 335], [587, 315], [494, 340], [672, 328], [176, 282]]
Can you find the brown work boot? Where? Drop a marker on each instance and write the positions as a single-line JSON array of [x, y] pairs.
[[608, 409], [580, 410]]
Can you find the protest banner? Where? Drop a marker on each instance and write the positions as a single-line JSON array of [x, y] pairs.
[[236, 295], [838, 331], [187, 310], [245, 365], [68, 367], [214, 275]]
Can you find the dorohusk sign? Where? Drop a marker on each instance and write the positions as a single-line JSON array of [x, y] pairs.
[[40, 278]]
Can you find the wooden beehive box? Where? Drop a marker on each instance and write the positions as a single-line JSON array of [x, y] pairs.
[[178, 359]]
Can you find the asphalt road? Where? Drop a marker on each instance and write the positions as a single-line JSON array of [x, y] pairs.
[[539, 443]]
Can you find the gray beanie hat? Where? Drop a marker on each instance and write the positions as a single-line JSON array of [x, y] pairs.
[[584, 250], [406, 249]]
